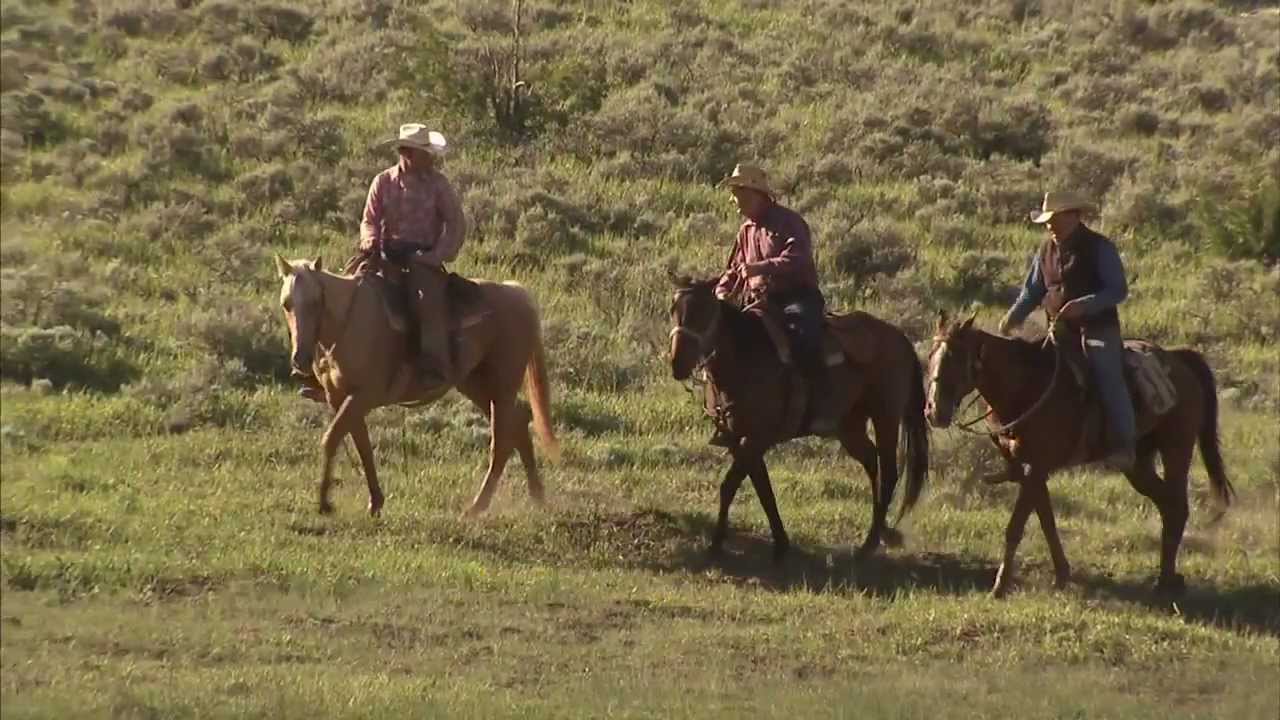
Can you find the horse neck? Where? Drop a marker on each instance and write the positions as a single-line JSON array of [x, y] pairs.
[[1000, 361], [726, 364], [339, 297]]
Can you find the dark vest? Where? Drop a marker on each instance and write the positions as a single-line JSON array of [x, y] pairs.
[[1070, 270]]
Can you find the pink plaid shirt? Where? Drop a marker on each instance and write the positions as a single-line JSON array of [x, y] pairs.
[[413, 209]]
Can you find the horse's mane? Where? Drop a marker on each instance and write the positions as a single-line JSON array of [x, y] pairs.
[[746, 330]]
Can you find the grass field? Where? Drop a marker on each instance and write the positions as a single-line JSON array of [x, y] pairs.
[[190, 576], [160, 551]]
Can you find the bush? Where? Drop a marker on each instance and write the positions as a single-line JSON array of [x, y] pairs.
[[230, 330], [869, 249], [1246, 228], [64, 356]]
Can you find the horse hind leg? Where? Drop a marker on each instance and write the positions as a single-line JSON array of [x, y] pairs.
[[1169, 494], [856, 443], [524, 446], [364, 448], [1174, 511], [502, 422]]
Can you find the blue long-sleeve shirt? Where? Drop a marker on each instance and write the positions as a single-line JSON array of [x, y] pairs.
[[1110, 271]]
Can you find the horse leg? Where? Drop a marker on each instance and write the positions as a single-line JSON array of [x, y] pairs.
[[524, 446], [502, 420], [1173, 514], [364, 448], [860, 448], [886, 481], [1012, 536], [764, 490], [338, 428], [1144, 478], [1044, 511], [728, 489]]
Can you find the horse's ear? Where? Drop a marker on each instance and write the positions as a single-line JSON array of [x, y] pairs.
[[969, 322], [315, 264], [282, 266]]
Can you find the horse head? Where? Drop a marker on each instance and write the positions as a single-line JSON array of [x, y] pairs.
[[695, 319], [952, 371], [302, 299]]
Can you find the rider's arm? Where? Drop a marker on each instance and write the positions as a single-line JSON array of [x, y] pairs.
[[793, 256], [1114, 289], [371, 221], [730, 279], [1033, 292], [455, 225]]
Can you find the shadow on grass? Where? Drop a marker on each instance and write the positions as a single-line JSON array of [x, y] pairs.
[[748, 559]]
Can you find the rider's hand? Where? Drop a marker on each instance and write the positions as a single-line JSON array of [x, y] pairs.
[[1073, 310], [752, 269]]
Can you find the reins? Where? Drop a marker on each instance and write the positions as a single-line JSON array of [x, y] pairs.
[[1008, 428]]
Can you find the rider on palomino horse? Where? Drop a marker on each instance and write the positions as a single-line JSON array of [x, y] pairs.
[[772, 261], [1078, 277], [413, 219]]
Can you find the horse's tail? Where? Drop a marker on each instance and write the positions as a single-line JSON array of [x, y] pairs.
[[916, 433], [539, 390], [1210, 449]]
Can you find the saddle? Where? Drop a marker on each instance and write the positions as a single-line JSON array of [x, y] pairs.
[[466, 300], [1147, 377], [845, 338]]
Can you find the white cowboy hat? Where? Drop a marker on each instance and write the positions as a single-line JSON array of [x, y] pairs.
[[749, 176], [1056, 201], [416, 135]]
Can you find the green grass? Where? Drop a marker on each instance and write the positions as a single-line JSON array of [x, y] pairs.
[[189, 576]]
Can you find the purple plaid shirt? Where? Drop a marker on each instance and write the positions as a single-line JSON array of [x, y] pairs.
[[413, 209]]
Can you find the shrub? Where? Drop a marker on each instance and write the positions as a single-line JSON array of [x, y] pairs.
[[64, 356], [1248, 227], [869, 249], [231, 330]]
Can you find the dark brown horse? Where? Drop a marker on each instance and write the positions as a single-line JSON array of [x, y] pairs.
[[744, 370], [1025, 385]]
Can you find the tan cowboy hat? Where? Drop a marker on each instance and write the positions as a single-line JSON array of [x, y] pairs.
[[416, 135], [1059, 201], [749, 176]]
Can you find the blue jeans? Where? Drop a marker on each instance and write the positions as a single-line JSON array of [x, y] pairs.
[[803, 314], [1104, 349]]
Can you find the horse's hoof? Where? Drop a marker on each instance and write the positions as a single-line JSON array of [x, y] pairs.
[[475, 511], [780, 551], [892, 537], [865, 552], [326, 507], [1062, 580], [375, 508]]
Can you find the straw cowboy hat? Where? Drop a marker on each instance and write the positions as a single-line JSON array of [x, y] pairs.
[[1059, 201], [749, 176], [416, 135]]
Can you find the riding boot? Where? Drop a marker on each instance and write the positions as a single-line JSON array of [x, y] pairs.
[[433, 363]]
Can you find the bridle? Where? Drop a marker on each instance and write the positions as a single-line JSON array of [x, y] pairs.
[[703, 338], [973, 368]]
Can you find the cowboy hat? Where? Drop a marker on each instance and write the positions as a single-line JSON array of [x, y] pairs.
[[749, 176], [416, 135], [1059, 201]]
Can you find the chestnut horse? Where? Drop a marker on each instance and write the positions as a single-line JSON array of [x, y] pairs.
[[364, 363], [1037, 419], [743, 367]]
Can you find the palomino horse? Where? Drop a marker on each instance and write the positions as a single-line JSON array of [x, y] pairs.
[[364, 364], [744, 369], [1038, 420]]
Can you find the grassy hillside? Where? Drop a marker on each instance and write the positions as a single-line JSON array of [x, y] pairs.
[[156, 467]]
